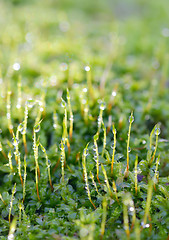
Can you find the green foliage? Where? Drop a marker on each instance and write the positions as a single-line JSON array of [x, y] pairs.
[[71, 75]]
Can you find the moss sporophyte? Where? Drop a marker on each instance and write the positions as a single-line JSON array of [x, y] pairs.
[[97, 166]]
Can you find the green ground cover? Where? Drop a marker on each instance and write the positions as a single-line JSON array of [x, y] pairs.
[[84, 119]]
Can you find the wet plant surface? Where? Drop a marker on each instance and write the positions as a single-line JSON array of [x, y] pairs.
[[84, 120]]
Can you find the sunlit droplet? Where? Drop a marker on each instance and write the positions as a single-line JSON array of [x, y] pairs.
[[16, 66], [84, 90], [131, 119], [114, 93], [37, 128], [129, 149], [87, 68], [63, 66], [157, 131]]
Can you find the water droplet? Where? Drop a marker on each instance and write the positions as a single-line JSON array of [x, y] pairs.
[[49, 163], [8, 115], [145, 225], [20, 127], [86, 153], [131, 209], [102, 106], [15, 142], [112, 146], [114, 93], [16, 66], [63, 103], [84, 101], [144, 142], [30, 103], [37, 128], [87, 68], [18, 106], [71, 118], [94, 148], [131, 119], [129, 149], [157, 131], [84, 90], [63, 66], [11, 236]]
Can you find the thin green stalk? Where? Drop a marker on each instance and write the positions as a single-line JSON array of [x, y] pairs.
[[131, 120], [10, 160], [11, 202], [157, 132], [115, 190], [156, 172], [96, 155], [136, 181], [106, 180], [126, 221], [17, 153], [103, 223], [94, 183], [148, 202], [63, 158], [2, 151], [24, 179], [35, 149], [47, 165], [100, 118], [114, 148], [104, 139], [85, 174], [12, 229], [2, 199]]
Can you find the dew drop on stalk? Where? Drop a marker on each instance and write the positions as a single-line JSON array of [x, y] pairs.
[[131, 209], [129, 149], [20, 127], [83, 101], [114, 93], [49, 163], [16, 66], [63, 103], [11, 236], [63, 66], [147, 225], [112, 146], [157, 131], [15, 142], [102, 106], [84, 90], [87, 68], [131, 119], [37, 128], [8, 115], [30, 103]]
